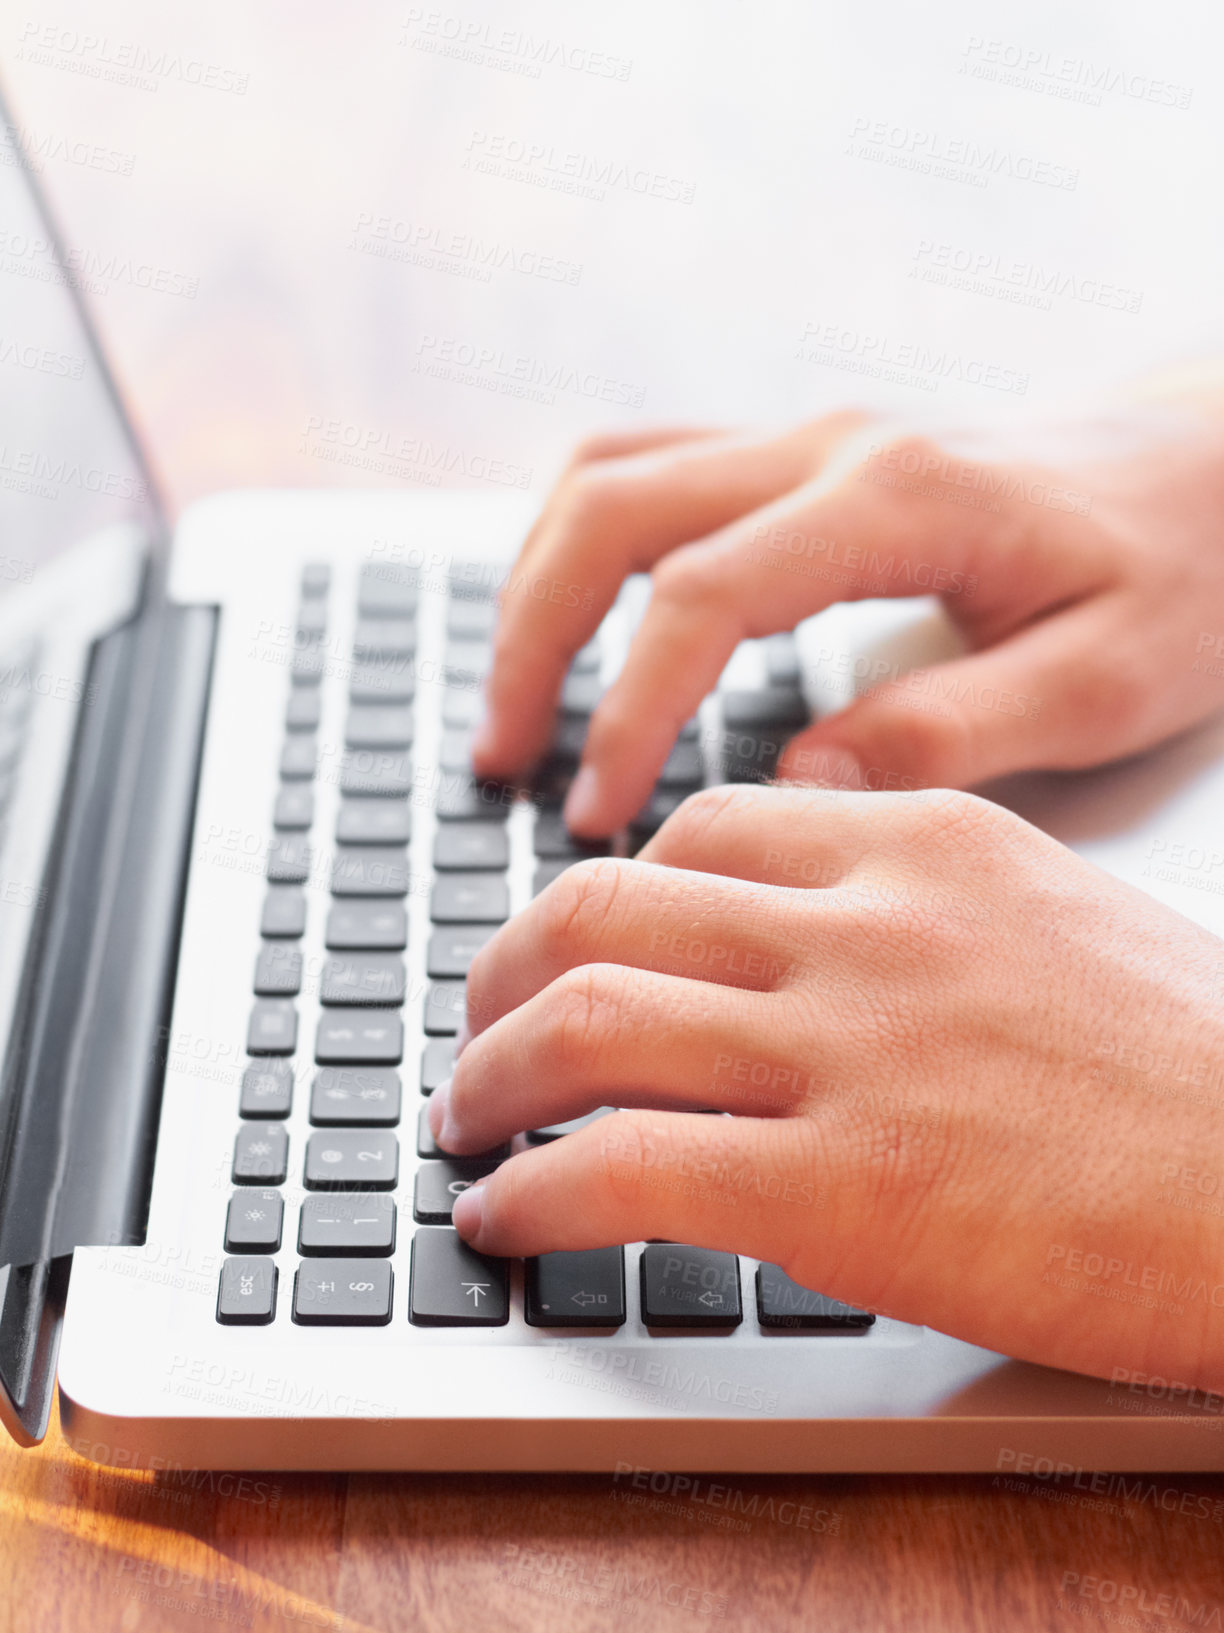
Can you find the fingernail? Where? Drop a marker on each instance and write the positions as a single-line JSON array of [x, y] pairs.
[[439, 1112], [468, 1210], [582, 805]]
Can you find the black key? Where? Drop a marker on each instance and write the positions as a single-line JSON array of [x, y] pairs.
[[437, 1186], [284, 912], [453, 947], [469, 898], [784, 1306], [377, 683], [471, 620], [581, 692], [354, 1037], [452, 1286], [299, 755], [378, 725], [351, 1159], [766, 707], [305, 708], [373, 924], [437, 1063], [253, 1222], [546, 872], [427, 1146], [689, 1287], [289, 860], [278, 971], [445, 1003], [374, 822], [272, 1029], [364, 979], [463, 799], [782, 661], [683, 767], [661, 804], [311, 617], [308, 664], [367, 1096], [462, 709], [466, 663], [261, 1154], [362, 1225], [294, 806], [267, 1090], [558, 1131], [553, 840], [370, 870], [376, 772], [342, 1293], [471, 845], [247, 1294], [386, 590], [316, 578], [583, 1289], [376, 640], [746, 758]]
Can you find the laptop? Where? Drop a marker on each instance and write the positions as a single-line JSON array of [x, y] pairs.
[[243, 870]]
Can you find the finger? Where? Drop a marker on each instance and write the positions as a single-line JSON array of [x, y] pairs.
[[608, 519], [604, 1035], [1050, 696], [740, 1184], [803, 838], [610, 911]]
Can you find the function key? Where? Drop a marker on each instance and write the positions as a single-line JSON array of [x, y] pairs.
[[352, 1159], [364, 979], [267, 1090], [347, 1224], [272, 1029], [253, 1222], [284, 912], [689, 1287], [305, 708], [316, 578], [356, 1037], [311, 618], [385, 590], [308, 665], [439, 1183], [374, 822], [278, 971], [299, 756], [784, 1306], [343, 1293], [370, 870], [247, 1294], [475, 845], [469, 898], [294, 806], [368, 1096], [261, 1154], [582, 1289], [289, 859], [374, 924], [453, 1286]]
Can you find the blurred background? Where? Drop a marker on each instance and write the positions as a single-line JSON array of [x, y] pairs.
[[400, 246]]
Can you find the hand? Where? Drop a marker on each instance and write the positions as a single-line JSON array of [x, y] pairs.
[[934, 1027], [1083, 586]]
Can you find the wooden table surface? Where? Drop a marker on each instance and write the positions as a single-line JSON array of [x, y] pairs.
[[91, 1550]]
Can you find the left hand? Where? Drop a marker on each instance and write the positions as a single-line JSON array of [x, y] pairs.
[[911, 1005]]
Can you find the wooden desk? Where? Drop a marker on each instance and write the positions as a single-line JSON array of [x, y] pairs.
[[90, 1550]]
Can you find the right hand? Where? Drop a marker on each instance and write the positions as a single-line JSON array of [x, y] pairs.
[[1088, 589]]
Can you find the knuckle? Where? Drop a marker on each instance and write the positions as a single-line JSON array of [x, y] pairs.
[[589, 495], [579, 903], [703, 814], [691, 574], [584, 1015]]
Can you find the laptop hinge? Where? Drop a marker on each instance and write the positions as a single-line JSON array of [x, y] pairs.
[[87, 1061]]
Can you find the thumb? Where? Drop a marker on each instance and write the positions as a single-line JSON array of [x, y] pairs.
[[1042, 698]]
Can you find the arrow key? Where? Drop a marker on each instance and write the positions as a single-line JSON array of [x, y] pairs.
[[584, 1289], [689, 1287]]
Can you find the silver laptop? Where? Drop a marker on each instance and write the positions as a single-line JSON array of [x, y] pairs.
[[243, 868]]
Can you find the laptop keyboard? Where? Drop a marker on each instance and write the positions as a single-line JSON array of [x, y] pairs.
[[365, 1198]]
